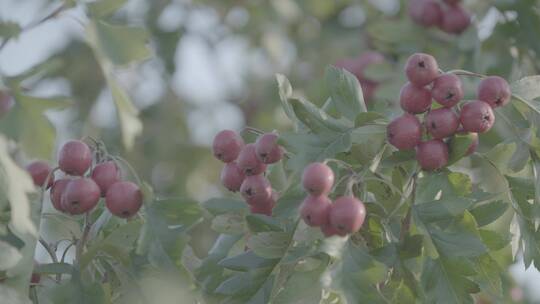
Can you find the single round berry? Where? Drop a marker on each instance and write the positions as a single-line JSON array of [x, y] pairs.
[[347, 214], [404, 132], [264, 207], [57, 192], [495, 91], [442, 122], [256, 189], [267, 149], [425, 12], [414, 99], [80, 196], [455, 19], [40, 170], [329, 230], [432, 154], [318, 179], [75, 157], [6, 103], [477, 116], [447, 90], [315, 210], [227, 145], [249, 162], [232, 176], [105, 175], [421, 69], [124, 199]]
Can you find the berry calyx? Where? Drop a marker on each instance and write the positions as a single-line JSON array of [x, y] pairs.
[[404, 132], [232, 176], [414, 99], [124, 199], [57, 191], [227, 145], [267, 149], [477, 116], [249, 162], [455, 19], [447, 90], [40, 170], [425, 12], [318, 179], [105, 175], [442, 122], [495, 91], [421, 69], [432, 154], [256, 189], [347, 214], [315, 210], [80, 196], [75, 158]]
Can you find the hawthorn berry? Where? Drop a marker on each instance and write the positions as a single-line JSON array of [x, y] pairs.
[[451, 2], [414, 99], [477, 116], [75, 157], [249, 162], [447, 90], [455, 19], [442, 122], [432, 154], [404, 132], [227, 145], [232, 176], [6, 103], [267, 149], [318, 179], [495, 91], [80, 196], [57, 191], [347, 214], [425, 12], [105, 174], [124, 199], [421, 69], [40, 170], [256, 189], [264, 207], [315, 210]]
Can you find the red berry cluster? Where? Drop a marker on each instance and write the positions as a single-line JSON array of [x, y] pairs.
[[425, 84], [345, 216], [245, 167], [449, 15], [77, 193], [357, 67]]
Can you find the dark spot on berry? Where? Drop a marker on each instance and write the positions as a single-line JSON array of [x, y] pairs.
[[308, 217], [391, 135], [433, 125], [422, 64], [249, 171], [498, 101], [125, 213], [449, 95], [487, 117]]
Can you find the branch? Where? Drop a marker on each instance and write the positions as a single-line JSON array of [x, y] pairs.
[[406, 224], [82, 242]]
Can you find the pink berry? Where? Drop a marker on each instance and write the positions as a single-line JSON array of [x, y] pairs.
[[425, 12], [347, 214], [495, 91], [267, 149], [256, 189], [227, 145], [6, 103], [249, 162], [315, 210], [404, 132], [318, 179], [57, 192], [477, 116], [40, 170], [232, 176], [447, 90], [421, 69], [81, 195], [413, 99], [124, 199], [442, 122], [329, 230], [75, 158], [264, 207], [106, 174], [455, 19], [451, 2], [432, 154]]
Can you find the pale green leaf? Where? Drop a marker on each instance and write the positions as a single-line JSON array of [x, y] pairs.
[[345, 92]]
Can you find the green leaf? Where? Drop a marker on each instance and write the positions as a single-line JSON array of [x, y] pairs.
[[262, 223], [285, 93], [9, 256], [488, 213], [444, 209], [445, 281], [218, 206], [246, 261], [366, 118], [228, 224], [127, 113], [104, 8], [527, 87], [458, 146], [269, 244], [178, 211], [461, 183], [345, 92], [241, 283], [9, 29], [494, 240], [490, 274], [54, 268], [379, 72], [314, 118]]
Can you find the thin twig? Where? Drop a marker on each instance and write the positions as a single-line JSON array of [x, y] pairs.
[[82, 242], [406, 224]]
